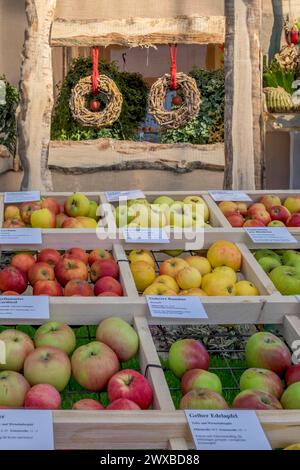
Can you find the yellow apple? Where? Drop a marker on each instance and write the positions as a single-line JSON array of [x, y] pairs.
[[168, 281], [246, 288], [12, 212], [164, 200], [143, 274], [43, 218], [227, 272], [172, 266], [141, 255], [188, 278], [87, 222], [199, 262], [180, 215], [159, 289], [157, 217], [195, 291], [195, 202], [224, 253], [93, 210], [215, 284]]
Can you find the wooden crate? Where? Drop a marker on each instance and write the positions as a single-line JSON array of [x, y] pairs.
[[239, 234], [268, 307]]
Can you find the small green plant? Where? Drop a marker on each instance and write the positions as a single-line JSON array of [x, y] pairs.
[[208, 127], [275, 76], [134, 91], [8, 126]]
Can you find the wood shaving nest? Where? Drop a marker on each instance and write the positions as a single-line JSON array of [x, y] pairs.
[[89, 118], [178, 117]]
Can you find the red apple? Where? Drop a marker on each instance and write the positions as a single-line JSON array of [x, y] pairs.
[[51, 204], [50, 288], [262, 215], [48, 365], [67, 269], [120, 336], [266, 351], [254, 208], [40, 272], [71, 222], [76, 253], [253, 223], [17, 347], [13, 389], [60, 219], [256, 400], [108, 284], [93, 364], [78, 287], [99, 254], [10, 292], [294, 220], [87, 404], [13, 223], [123, 404], [236, 220], [12, 278], [292, 375], [228, 208], [186, 354], [132, 385], [50, 256], [23, 261], [108, 267], [108, 294], [261, 379], [279, 213], [43, 397], [270, 200], [27, 208], [242, 208], [203, 399]]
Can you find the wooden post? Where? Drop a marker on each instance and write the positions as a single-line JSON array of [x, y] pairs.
[[34, 119], [243, 101]]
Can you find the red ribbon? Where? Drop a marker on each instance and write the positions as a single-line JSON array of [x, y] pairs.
[[173, 57], [95, 55]]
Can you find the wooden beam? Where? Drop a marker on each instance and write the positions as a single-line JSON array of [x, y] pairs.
[[133, 32], [34, 118], [243, 101]]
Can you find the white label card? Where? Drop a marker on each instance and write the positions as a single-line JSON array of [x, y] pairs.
[[20, 236], [176, 307], [21, 196], [227, 430], [24, 307], [116, 196], [26, 430], [145, 235], [229, 196], [270, 235]]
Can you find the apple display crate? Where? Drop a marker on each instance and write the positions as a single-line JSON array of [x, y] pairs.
[[268, 307], [238, 234]]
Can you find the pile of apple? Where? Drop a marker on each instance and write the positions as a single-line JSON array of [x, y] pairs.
[[283, 267], [270, 382], [76, 212], [192, 212], [74, 273], [213, 275], [269, 211], [37, 371]]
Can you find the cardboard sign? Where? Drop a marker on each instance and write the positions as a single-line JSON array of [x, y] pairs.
[[176, 307], [237, 196], [270, 235], [21, 196], [20, 236], [24, 307]]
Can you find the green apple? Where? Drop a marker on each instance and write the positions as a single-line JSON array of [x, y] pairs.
[[157, 217], [195, 201], [262, 253], [77, 205], [133, 202], [291, 258], [164, 200], [292, 204], [55, 334], [92, 213], [199, 378], [268, 263], [124, 215], [276, 223], [290, 399], [173, 253], [261, 379], [180, 215], [286, 279]]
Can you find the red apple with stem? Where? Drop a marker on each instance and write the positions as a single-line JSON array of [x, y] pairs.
[[43, 397], [12, 278], [256, 400], [292, 374], [78, 287], [77, 253], [23, 261], [99, 254], [132, 385], [68, 269], [50, 288], [51, 204], [40, 272], [108, 284], [50, 256], [102, 268], [279, 213]]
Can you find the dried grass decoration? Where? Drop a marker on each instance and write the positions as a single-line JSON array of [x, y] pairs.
[[95, 84], [85, 116], [186, 86]]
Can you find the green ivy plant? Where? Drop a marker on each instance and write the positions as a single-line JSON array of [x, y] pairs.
[[8, 128], [133, 88], [208, 126]]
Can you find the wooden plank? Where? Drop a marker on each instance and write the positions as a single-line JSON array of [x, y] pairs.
[[243, 141], [109, 154], [34, 118], [125, 273], [291, 333], [151, 366], [137, 32], [282, 122]]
